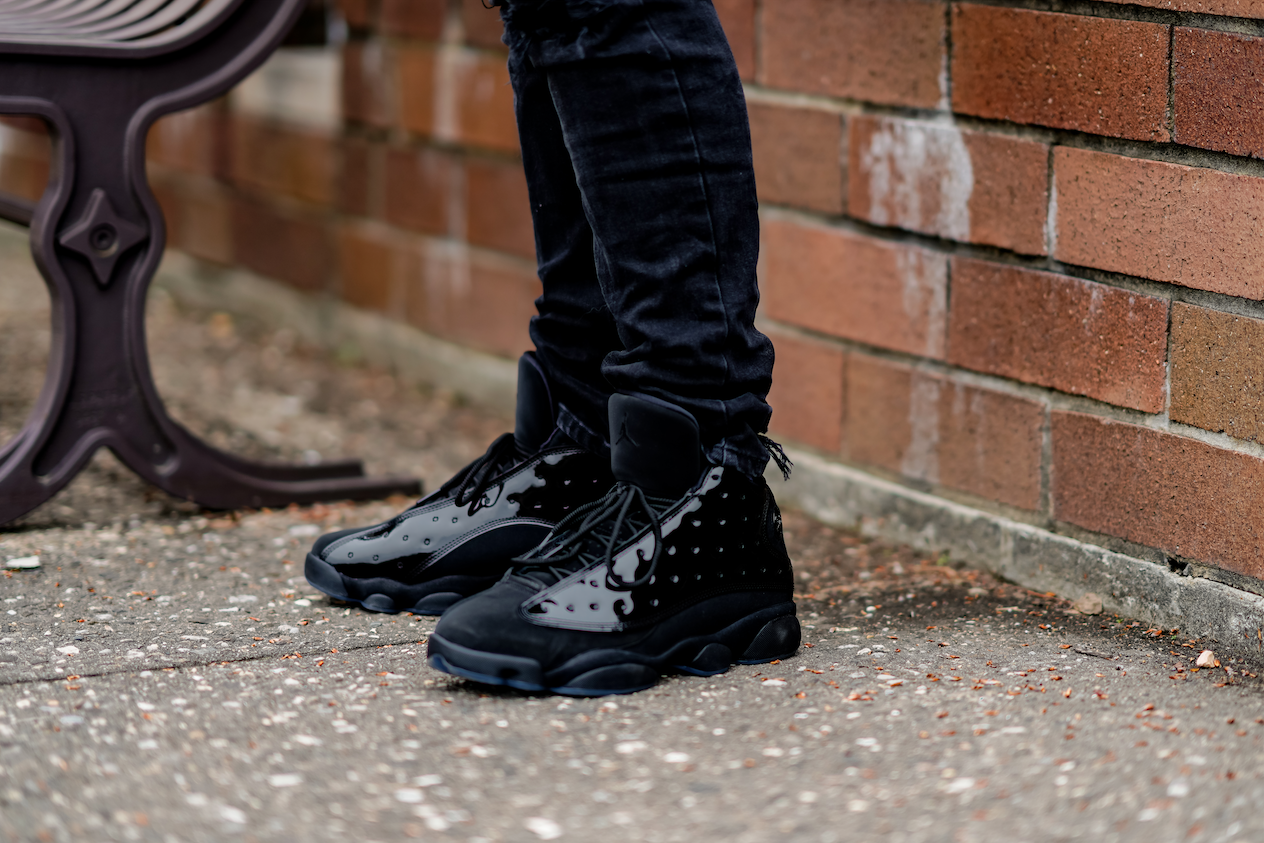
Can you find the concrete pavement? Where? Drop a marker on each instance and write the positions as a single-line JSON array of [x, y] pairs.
[[167, 675]]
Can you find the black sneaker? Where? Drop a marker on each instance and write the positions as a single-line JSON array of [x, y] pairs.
[[677, 568], [460, 539]]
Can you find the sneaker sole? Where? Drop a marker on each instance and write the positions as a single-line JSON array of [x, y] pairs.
[[389, 601], [769, 634]]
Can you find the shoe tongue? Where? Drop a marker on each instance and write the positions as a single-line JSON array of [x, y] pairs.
[[654, 445], [535, 418]]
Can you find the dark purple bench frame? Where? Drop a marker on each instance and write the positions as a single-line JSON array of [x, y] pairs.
[[97, 235]]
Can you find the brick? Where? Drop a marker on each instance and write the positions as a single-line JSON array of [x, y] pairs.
[[498, 209], [284, 160], [282, 243], [738, 19], [1073, 335], [807, 392], [166, 193], [374, 267], [193, 141], [1218, 371], [368, 83], [1236, 8], [206, 221], [1179, 495], [1181, 225], [359, 14], [25, 158], [482, 25], [417, 77], [931, 429], [24, 123], [356, 177], [474, 298], [419, 189], [422, 19], [480, 111], [798, 156], [886, 51], [1090, 74], [855, 287], [476, 109], [975, 187], [1218, 91]]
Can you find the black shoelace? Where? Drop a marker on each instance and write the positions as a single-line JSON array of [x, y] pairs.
[[778, 455], [471, 482], [570, 546]]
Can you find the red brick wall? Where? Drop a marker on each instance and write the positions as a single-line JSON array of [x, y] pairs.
[[1010, 256], [1015, 257]]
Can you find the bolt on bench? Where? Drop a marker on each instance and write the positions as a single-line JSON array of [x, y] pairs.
[[100, 72]]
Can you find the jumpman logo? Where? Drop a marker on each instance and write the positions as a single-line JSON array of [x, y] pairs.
[[624, 436]]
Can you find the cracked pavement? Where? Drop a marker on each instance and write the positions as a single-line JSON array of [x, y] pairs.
[[166, 673]]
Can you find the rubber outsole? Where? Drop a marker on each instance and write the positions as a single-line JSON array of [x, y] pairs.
[[415, 599], [772, 633]]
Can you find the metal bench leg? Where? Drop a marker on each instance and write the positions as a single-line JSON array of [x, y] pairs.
[[98, 262]]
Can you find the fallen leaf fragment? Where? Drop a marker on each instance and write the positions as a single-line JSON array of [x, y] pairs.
[[1089, 604], [1206, 659]]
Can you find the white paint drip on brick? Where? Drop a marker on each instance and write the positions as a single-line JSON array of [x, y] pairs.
[[924, 295], [449, 67], [1051, 221], [921, 460], [447, 275], [902, 159]]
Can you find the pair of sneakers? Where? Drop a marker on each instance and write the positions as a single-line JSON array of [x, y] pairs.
[[555, 569]]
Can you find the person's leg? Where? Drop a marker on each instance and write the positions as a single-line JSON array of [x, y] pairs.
[[682, 564], [652, 117], [573, 330]]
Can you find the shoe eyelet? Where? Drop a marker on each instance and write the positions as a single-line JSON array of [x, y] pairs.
[[671, 551], [375, 557], [697, 577], [405, 538], [696, 523], [724, 495], [594, 606], [455, 519], [723, 522], [351, 554], [594, 583], [570, 608], [653, 580], [426, 542], [696, 550], [720, 550], [675, 578], [653, 602], [436, 518]]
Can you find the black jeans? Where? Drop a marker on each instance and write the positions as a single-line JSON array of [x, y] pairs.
[[637, 152]]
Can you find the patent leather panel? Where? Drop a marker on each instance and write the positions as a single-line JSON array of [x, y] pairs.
[[723, 537], [538, 493]]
